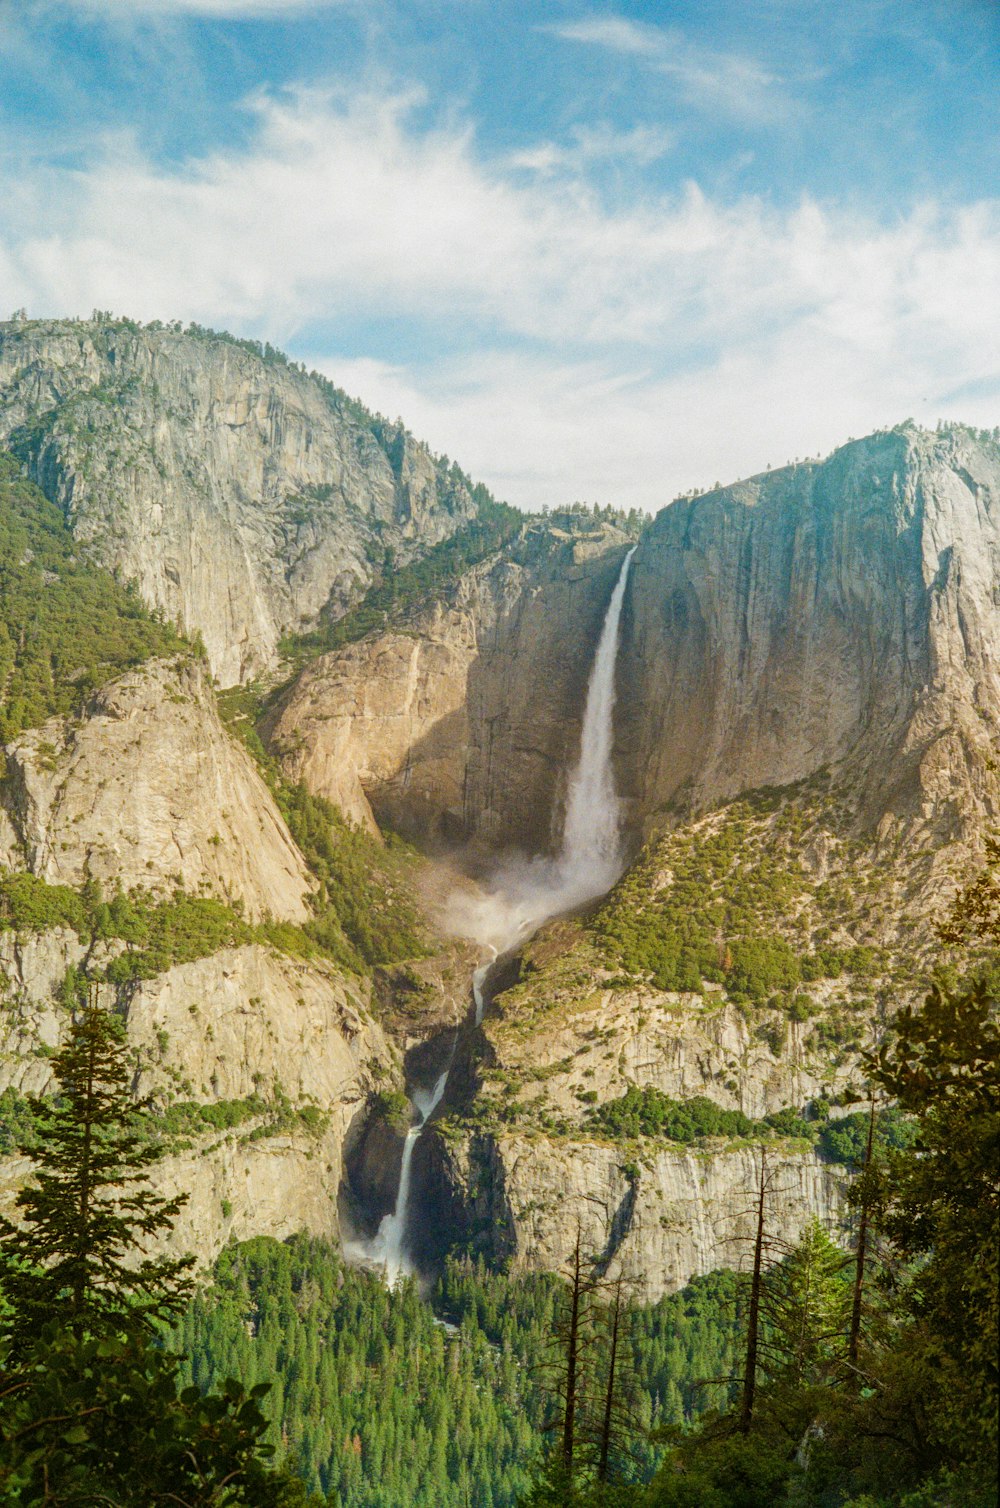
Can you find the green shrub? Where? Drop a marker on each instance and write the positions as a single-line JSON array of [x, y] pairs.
[[28, 904], [649, 1112], [19, 1125], [66, 626], [845, 1140], [761, 965], [789, 1123]]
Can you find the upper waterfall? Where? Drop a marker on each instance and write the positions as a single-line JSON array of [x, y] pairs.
[[591, 847], [523, 894]]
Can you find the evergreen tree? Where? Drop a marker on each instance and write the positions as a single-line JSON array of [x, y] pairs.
[[89, 1206], [941, 1209], [808, 1304], [90, 1409]]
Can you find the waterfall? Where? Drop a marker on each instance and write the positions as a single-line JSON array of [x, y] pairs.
[[479, 984], [389, 1245], [525, 895], [591, 858]]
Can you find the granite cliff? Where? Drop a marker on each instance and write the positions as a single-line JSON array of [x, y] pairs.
[[241, 495], [839, 614], [461, 724]]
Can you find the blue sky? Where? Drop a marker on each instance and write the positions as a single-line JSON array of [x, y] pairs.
[[599, 251]]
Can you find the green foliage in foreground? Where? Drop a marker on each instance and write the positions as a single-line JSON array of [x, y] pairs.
[[87, 1208], [381, 1405], [87, 1422], [90, 1410], [883, 1396], [66, 627]]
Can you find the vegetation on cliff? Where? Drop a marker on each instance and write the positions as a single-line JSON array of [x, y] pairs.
[[398, 590], [729, 902], [647, 1112], [66, 626], [364, 914]]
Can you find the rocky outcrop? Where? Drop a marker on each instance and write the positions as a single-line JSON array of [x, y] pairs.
[[839, 614], [239, 494], [386, 716], [148, 789], [238, 1188], [464, 724], [250, 1021], [681, 1044], [33, 967], [657, 1221], [289, 1044]]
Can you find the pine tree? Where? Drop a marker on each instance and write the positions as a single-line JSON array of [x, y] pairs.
[[861, 1246], [72, 1251], [808, 1302]]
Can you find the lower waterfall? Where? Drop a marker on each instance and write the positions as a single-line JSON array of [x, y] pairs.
[[523, 895], [387, 1248]]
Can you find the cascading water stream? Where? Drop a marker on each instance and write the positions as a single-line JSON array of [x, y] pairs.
[[388, 1246], [526, 895]]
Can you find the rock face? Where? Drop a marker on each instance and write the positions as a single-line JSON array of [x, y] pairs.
[[834, 615], [244, 1025], [465, 725], [240, 495], [658, 1222], [149, 789], [840, 614]]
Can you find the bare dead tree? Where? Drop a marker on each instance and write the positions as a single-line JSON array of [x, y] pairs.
[[572, 1361], [861, 1252], [753, 1318], [589, 1378], [607, 1419]]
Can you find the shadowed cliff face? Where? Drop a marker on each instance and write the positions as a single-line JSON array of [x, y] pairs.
[[240, 496], [841, 614], [464, 725]]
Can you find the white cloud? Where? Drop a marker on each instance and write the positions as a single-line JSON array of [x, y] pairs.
[[600, 144], [704, 77], [617, 355]]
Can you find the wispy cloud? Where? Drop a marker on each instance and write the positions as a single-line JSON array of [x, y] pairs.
[[598, 145], [705, 78], [616, 354]]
